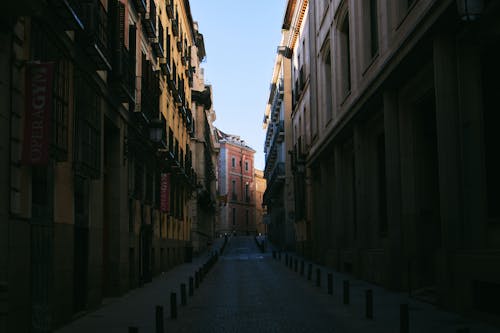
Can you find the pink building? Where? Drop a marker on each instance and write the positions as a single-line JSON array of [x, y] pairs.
[[236, 186]]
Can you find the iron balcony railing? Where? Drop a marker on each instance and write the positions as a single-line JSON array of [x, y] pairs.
[[94, 37], [140, 6], [70, 12]]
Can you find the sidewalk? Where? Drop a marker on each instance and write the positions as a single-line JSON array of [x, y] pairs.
[[137, 307], [386, 308]]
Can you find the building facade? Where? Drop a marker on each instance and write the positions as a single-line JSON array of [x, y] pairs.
[[398, 147], [204, 206], [236, 186], [97, 169], [260, 211]]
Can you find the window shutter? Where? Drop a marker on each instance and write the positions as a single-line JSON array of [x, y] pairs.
[[121, 22]]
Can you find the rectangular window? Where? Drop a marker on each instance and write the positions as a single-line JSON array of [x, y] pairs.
[[373, 28], [247, 192], [233, 189], [327, 79], [233, 162], [246, 166], [88, 128], [345, 56], [382, 196]]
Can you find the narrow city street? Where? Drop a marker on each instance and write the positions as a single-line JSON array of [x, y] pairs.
[[249, 291]]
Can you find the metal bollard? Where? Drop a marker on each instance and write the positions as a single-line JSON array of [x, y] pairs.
[[369, 303], [404, 320], [330, 283], [183, 294], [191, 285], [133, 329], [346, 292], [159, 319], [173, 305], [309, 272], [302, 267], [318, 277]]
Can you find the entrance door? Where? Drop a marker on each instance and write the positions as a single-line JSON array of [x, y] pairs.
[[427, 205], [145, 247], [42, 243], [81, 245]]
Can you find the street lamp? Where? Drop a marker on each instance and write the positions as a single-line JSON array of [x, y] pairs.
[[156, 128], [470, 10]]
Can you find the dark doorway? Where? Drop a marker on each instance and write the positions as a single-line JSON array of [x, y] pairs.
[[42, 244], [81, 244], [428, 219], [145, 247]]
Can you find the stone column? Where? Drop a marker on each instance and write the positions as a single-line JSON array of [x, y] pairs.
[[470, 108], [394, 255]]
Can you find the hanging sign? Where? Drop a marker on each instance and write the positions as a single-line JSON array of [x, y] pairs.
[[165, 192], [39, 80]]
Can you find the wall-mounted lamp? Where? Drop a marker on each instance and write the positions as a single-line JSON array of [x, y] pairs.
[[470, 10], [156, 128]]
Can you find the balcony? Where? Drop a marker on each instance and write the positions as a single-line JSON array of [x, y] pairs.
[[123, 75], [150, 92], [165, 68], [149, 22], [157, 42], [94, 37], [70, 13], [280, 131], [169, 6], [140, 6], [175, 27]]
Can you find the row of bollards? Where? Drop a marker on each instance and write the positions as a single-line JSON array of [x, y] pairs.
[[185, 290], [404, 317]]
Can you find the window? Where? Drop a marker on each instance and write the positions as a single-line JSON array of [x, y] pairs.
[[373, 28], [327, 80], [382, 196], [345, 55], [233, 189], [246, 166], [247, 192], [87, 129], [233, 162]]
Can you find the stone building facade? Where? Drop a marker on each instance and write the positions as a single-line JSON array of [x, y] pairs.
[[398, 146], [236, 186], [260, 211], [97, 202]]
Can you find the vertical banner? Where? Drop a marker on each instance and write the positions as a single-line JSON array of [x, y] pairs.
[[165, 193], [39, 80]]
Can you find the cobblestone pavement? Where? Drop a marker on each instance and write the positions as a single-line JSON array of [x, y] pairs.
[[247, 291], [250, 292]]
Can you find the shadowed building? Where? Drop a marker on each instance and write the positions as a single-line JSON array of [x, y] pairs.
[[397, 145], [95, 158]]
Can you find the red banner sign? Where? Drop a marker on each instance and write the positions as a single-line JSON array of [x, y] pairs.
[[39, 79], [165, 193]]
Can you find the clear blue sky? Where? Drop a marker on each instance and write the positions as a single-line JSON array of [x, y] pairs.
[[241, 38]]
